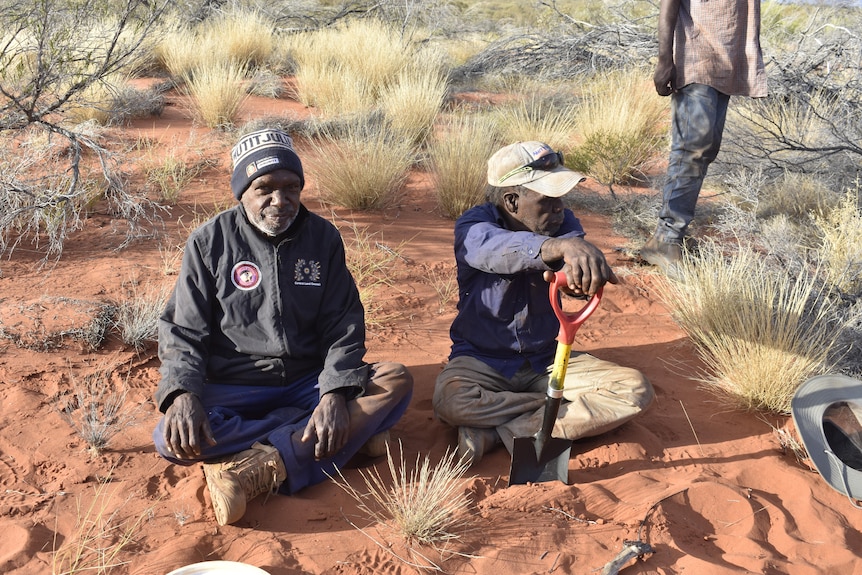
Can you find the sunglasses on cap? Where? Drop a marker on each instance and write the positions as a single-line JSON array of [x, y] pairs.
[[548, 162]]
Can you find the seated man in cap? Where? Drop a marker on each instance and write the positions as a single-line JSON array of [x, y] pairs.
[[494, 386], [262, 344]]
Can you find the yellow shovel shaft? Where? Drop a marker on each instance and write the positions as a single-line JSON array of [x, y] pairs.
[[558, 373]]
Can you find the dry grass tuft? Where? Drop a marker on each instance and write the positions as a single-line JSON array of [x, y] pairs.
[[371, 263], [217, 92], [101, 536], [411, 103], [537, 118], [424, 504], [96, 410], [359, 64], [138, 316], [179, 52], [841, 247], [244, 37], [622, 124], [361, 166], [458, 160], [760, 331], [169, 171]]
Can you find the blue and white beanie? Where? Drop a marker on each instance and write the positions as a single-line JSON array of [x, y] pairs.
[[259, 153]]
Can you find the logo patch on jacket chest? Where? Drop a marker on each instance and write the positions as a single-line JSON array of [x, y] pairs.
[[306, 273], [245, 275]]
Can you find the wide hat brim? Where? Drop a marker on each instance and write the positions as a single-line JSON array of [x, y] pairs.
[[555, 183], [808, 406]]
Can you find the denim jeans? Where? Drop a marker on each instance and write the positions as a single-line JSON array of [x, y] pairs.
[[241, 415], [697, 123]]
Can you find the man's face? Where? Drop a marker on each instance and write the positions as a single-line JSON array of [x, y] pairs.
[[272, 201], [535, 212]]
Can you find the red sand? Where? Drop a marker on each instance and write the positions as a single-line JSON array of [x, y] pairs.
[[708, 488]]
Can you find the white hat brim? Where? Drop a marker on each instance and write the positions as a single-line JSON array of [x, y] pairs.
[[556, 183], [807, 407]]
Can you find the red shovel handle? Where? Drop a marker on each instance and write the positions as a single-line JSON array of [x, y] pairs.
[[570, 322]]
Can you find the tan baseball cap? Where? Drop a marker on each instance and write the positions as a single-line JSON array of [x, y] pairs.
[[534, 165]]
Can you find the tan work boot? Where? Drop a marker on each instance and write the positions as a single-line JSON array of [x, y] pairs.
[[376, 445], [238, 479], [474, 442], [664, 255]]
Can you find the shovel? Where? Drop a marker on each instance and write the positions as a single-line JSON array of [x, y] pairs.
[[541, 457]]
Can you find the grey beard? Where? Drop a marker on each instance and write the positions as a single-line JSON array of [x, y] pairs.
[[267, 232]]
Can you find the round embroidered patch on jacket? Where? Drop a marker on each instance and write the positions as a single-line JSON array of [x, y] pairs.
[[245, 275]]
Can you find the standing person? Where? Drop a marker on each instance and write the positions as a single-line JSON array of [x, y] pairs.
[[708, 51], [262, 344], [494, 386]]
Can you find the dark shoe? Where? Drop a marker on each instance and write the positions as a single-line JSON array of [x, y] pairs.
[[238, 479], [474, 442], [664, 255]]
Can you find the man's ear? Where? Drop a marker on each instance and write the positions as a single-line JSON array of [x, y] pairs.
[[510, 200]]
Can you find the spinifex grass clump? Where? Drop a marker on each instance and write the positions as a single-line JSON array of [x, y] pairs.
[[97, 409], [841, 244], [760, 330], [538, 118], [458, 162], [217, 92], [361, 166], [344, 69], [423, 503], [622, 124], [412, 101]]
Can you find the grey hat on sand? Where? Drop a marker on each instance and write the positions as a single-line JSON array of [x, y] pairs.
[[260, 152], [534, 165], [827, 412]]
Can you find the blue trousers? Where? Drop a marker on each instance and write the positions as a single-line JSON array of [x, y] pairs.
[[698, 113], [241, 415]]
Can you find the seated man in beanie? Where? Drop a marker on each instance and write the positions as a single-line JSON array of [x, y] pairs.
[[262, 344], [494, 386]]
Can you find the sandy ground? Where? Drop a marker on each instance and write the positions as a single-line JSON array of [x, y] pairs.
[[709, 489]]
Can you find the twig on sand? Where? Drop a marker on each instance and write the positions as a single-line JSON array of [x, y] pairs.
[[692, 427], [631, 549], [636, 548]]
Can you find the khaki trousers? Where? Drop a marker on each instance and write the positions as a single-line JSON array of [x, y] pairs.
[[598, 396]]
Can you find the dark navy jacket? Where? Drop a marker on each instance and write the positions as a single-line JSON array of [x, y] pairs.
[[504, 313], [250, 311]]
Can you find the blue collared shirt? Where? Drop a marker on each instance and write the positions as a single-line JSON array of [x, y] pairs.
[[504, 313]]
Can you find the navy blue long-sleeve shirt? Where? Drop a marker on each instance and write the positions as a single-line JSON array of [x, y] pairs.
[[504, 314]]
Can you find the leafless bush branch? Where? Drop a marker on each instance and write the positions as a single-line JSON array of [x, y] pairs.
[[812, 121], [51, 54]]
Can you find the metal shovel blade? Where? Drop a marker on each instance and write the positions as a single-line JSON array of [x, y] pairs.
[[532, 463]]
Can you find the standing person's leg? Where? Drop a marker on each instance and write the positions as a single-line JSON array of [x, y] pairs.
[[387, 394], [698, 115], [481, 403]]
